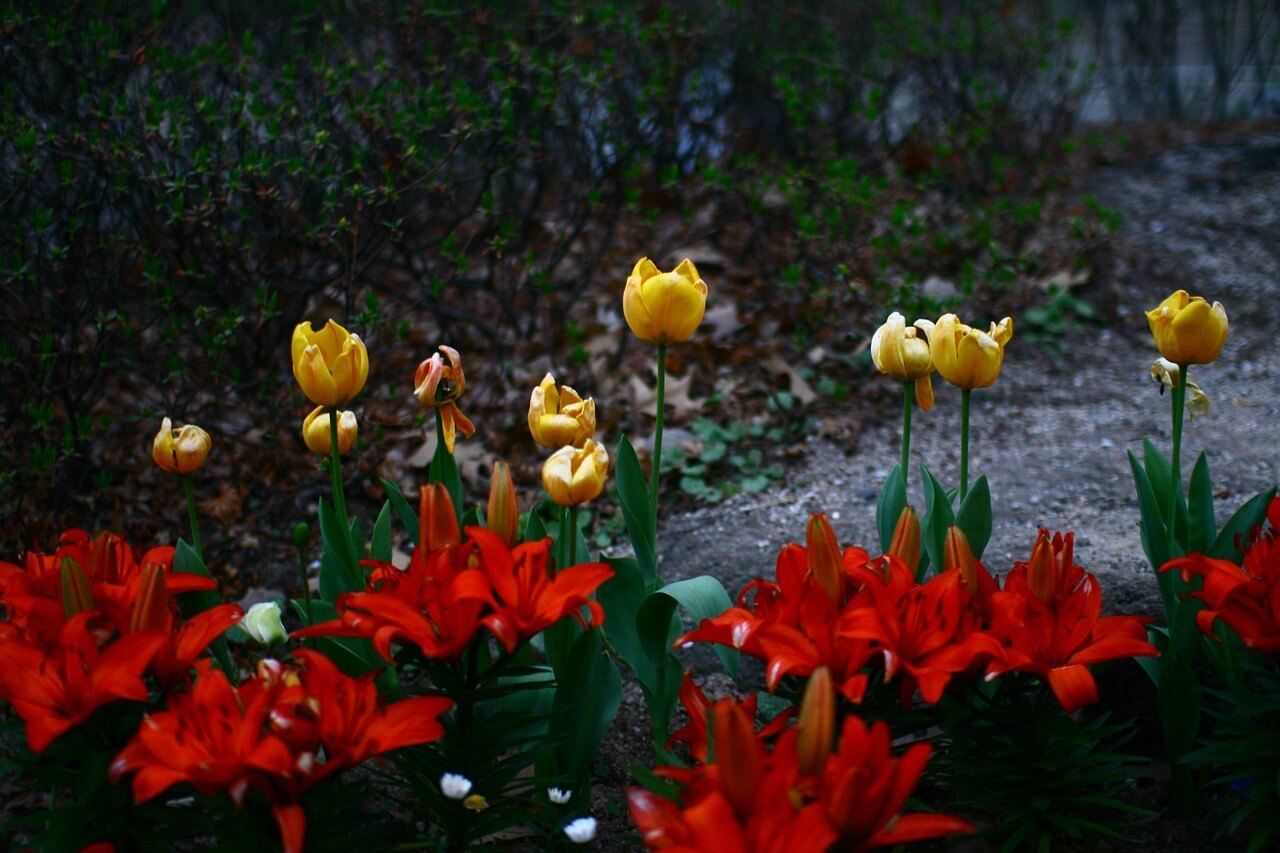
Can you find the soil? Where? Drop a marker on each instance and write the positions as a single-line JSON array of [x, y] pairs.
[[1052, 434]]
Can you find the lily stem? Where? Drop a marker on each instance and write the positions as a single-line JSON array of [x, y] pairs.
[[908, 391], [335, 470], [306, 585], [964, 442], [660, 404], [191, 515]]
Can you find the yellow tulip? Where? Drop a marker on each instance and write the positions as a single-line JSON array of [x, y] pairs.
[[560, 417], [664, 307], [966, 357], [902, 351], [180, 451], [575, 475], [331, 365], [315, 431], [1187, 329]]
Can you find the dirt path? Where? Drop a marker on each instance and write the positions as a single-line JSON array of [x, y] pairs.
[[1051, 435]]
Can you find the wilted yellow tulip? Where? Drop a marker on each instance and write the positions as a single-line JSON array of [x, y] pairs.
[[966, 357], [440, 382], [664, 307], [1166, 373], [902, 351], [1187, 329], [331, 365], [559, 417], [575, 475], [316, 435], [182, 450]]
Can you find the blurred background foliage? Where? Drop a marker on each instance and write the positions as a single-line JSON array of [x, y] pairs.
[[181, 182]]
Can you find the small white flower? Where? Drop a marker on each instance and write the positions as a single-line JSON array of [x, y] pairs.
[[455, 786], [558, 796], [582, 830], [262, 624]]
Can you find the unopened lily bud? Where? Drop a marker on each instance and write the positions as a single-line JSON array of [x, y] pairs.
[[1042, 570], [437, 518], [957, 554], [151, 606], [263, 624], [825, 563], [559, 416], [182, 450], [1187, 329], [77, 597], [301, 535], [905, 544], [737, 754], [502, 515], [316, 435], [574, 475], [817, 728]]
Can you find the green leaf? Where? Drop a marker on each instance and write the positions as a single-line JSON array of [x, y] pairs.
[[937, 518], [380, 544], [1159, 473], [893, 498], [1202, 526], [974, 516], [703, 597], [187, 561], [404, 510], [621, 597], [633, 498], [534, 530], [339, 569], [586, 702], [1227, 545], [353, 656]]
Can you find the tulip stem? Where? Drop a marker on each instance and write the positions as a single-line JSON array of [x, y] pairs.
[[191, 515], [908, 392], [335, 470], [965, 393], [660, 411], [1179, 398], [306, 586], [569, 530]]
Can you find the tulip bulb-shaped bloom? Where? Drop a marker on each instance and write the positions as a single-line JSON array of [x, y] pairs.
[[1187, 329], [182, 450], [575, 475], [440, 382], [560, 417], [316, 434], [966, 357], [905, 544], [263, 624], [825, 564], [902, 351], [331, 364], [502, 515], [817, 722], [664, 307]]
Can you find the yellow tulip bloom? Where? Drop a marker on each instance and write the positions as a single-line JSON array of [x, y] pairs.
[[315, 431], [902, 351], [1187, 329], [331, 365], [664, 307], [966, 357], [560, 417], [180, 451], [575, 475]]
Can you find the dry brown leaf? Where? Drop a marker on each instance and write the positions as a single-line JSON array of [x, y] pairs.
[[797, 384]]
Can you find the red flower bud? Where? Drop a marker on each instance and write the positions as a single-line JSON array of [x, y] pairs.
[[825, 563], [502, 515], [437, 518], [817, 722], [76, 595]]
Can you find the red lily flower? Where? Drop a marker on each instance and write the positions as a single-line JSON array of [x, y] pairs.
[[694, 733], [54, 690], [1052, 624], [527, 597], [1245, 597]]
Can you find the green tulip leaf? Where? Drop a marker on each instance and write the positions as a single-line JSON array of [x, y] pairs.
[[893, 499]]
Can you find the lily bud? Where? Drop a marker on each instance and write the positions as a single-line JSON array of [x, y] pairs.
[[437, 518], [560, 417], [77, 597], [1187, 329], [331, 364], [825, 563], [737, 753], [151, 606], [575, 475], [966, 357], [315, 431], [957, 555], [664, 307], [902, 351], [502, 515], [182, 450], [905, 544], [263, 624], [1042, 570], [817, 727]]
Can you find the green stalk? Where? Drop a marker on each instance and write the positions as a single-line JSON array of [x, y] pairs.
[[657, 442], [908, 392], [572, 533], [191, 515], [1179, 398], [964, 442], [306, 586], [335, 470]]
